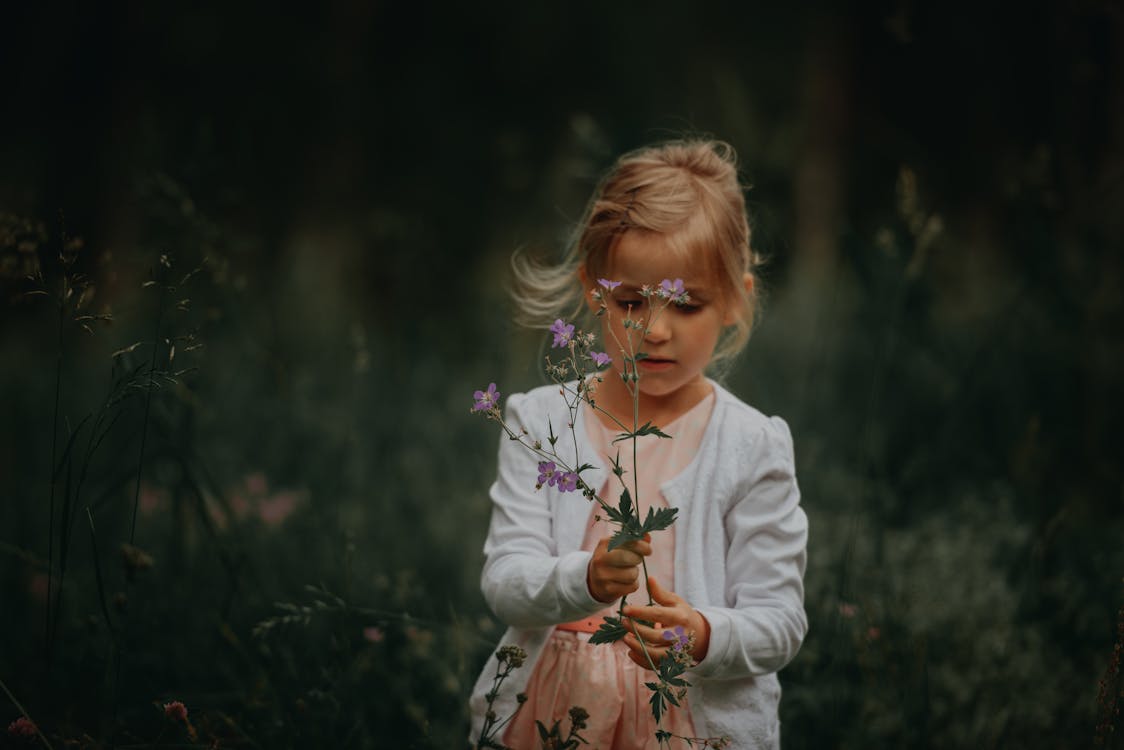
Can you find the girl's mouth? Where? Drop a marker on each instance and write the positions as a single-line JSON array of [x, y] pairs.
[[655, 364]]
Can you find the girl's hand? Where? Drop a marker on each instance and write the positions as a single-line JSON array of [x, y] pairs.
[[670, 610], [616, 573]]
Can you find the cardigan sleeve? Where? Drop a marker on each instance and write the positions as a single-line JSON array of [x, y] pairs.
[[525, 580], [767, 533]]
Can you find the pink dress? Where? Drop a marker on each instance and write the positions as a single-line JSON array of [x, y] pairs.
[[601, 678]]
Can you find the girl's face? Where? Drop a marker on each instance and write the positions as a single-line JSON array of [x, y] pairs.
[[680, 341]]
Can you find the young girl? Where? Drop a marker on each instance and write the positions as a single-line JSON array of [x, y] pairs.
[[729, 572]]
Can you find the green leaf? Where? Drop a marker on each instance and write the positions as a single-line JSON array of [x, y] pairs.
[[543, 734], [658, 708], [658, 520], [614, 514], [650, 429], [550, 428], [611, 631], [626, 503], [646, 429]]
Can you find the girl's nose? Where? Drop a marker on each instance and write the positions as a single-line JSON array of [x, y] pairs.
[[659, 330]]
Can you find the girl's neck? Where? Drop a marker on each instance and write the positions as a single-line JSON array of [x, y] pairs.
[[613, 396]]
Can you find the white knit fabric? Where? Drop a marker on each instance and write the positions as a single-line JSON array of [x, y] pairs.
[[740, 552]]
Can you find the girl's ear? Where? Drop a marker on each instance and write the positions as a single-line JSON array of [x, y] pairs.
[[732, 310]]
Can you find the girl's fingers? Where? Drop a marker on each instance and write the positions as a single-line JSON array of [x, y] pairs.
[[637, 654], [640, 547], [651, 635], [662, 595], [667, 615], [623, 558]]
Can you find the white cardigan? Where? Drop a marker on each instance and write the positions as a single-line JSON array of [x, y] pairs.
[[740, 553]]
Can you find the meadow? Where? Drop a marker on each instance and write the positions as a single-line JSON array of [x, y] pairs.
[[242, 320]]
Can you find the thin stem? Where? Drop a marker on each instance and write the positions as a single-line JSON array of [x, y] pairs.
[[51, 469], [147, 404], [552, 456], [573, 407], [643, 646], [97, 574], [630, 363], [26, 715], [490, 724], [597, 408]]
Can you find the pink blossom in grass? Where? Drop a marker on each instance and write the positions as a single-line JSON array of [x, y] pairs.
[[239, 505], [374, 634], [23, 727], [152, 499], [256, 483], [215, 512], [176, 711], [848, 610], [274, 510], [38, 586]]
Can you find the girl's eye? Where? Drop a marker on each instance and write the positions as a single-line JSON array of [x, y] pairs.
[[688, 308], [629, 304]]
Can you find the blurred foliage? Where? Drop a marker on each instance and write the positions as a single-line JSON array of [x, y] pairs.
[[285, 236]]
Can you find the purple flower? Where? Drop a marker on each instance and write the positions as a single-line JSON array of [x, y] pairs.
[[548, 473], [486, 400], [567, 482], [599, 358], [563, 333], [672, 290], [682, 641], [610, 285]]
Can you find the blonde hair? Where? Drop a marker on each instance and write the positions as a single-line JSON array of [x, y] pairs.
[[688, 192]]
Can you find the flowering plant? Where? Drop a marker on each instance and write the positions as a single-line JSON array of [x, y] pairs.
[[577, 374]]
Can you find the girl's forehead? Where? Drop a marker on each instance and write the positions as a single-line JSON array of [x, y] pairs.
[[640, 258]]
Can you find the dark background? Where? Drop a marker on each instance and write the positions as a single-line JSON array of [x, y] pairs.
[[288, 451]]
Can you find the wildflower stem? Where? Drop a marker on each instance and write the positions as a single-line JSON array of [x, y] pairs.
[[598, 409], [27, 716], [47, 641], [573, 407], [97, 574], [147, 404], [644, 647], [541, 453]]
